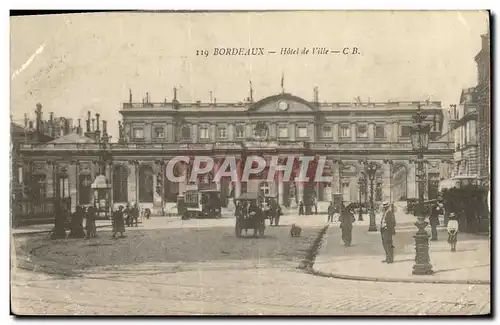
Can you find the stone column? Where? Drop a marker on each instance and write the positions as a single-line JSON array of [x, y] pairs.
[[194, 133], [335, 132], [336, 189], [132, 189], [49, 176], [291, 131], [300, 191], [371, 131], [386, 180], [73, 184], [353, 132], [395, 131], [217, 165], [281, 188], [109, 176], [412, 181]]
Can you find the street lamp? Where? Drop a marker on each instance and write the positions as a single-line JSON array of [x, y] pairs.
[[420, 142], [361, 183], [371, 169]]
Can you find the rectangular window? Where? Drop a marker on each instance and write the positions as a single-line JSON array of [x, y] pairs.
[[138, 133], [327, 132], [301, 132], [283, 132], [159, 132], [362, 131], [344, 131], [240, 131], [222, 133], [203, 133], [405, 130], [379, 131]]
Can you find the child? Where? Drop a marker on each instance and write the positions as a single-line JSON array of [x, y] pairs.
[[452, 231]]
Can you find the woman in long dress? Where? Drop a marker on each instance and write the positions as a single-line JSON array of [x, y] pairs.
[[346, 221]]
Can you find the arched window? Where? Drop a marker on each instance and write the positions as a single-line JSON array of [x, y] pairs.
[[146, 190], [186, 132], [120, 178]]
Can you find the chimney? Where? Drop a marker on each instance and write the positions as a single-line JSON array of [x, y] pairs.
[[79, 129], [25, 120], [97, 115], [105, 137], [316, 94], [88, 121], [130, 96], [38, 120], [31, 125], [93, 125]]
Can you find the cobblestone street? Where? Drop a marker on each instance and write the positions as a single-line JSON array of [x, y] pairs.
[[168, 266]]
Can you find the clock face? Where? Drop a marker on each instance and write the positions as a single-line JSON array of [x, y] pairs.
[[282, 106]]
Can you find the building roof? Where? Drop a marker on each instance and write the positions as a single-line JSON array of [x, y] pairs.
[[73, 138]]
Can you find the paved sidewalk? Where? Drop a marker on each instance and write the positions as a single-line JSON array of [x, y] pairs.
[[363, 260]]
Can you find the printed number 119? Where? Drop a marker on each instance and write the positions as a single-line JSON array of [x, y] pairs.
[[202, 52]]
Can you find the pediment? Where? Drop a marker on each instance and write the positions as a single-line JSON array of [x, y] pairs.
[[282, 103]]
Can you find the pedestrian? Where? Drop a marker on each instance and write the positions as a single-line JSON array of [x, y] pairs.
[[90, 222], [315, 206], [77, 224], [135, 214], [347, 219], [434, 222], [118, 222], [387, 230], [331, 211], [452, 229], [301, 208]]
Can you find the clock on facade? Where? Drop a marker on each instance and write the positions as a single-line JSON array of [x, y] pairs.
[[282, 106]]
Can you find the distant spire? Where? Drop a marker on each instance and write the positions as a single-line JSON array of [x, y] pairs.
[[251, 91], [175, 93], [130, 96], [211, 99]]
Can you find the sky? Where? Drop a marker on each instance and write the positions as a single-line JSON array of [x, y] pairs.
[[79, 62]]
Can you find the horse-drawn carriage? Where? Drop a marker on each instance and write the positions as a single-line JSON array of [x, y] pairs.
[[272, 210], [249, 215]]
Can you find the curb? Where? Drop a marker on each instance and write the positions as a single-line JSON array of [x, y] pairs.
[[308, 262], [38, 232], [308, 265], [372, 279]]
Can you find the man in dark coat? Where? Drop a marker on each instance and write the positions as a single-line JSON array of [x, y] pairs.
[[301, 208], [434, 221], [118, 222], [387, 230], [331, 211]]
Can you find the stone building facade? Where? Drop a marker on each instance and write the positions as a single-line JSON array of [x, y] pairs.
[[483, 61], [151, 134]]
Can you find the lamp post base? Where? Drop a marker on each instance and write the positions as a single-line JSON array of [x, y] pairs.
[[422, 260], [373, 225]]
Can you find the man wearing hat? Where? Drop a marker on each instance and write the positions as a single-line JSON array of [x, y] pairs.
[[387, 230]]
